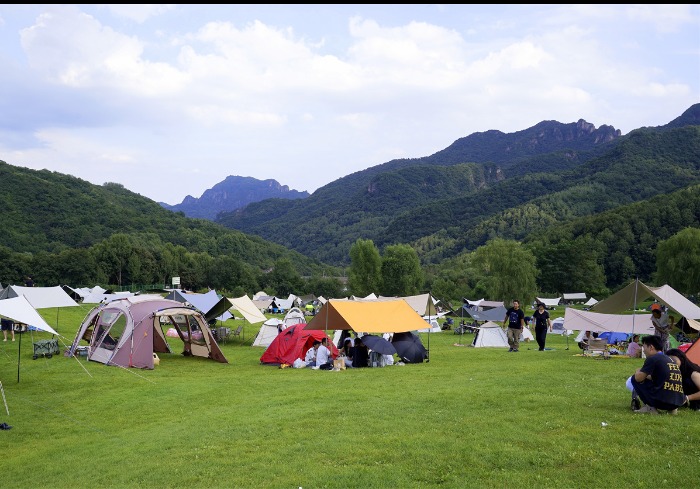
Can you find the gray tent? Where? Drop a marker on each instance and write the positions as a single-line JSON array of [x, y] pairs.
[[497, 314]]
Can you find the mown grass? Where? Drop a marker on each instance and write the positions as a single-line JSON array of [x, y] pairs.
[[468, 418]]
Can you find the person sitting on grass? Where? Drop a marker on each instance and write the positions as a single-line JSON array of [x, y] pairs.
[[323, 356], [360, 354], [658, 383], [310, 358], [691, 377], [633, 349]]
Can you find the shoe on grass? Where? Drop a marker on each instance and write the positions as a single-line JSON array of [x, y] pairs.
[[635, 404], [510, 350], [673, 411], [647, 409]]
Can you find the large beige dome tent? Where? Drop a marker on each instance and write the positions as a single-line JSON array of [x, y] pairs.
[[127, 332]]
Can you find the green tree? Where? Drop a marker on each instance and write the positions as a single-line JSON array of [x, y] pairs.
[[232, 274], [365, 271], [678, 261], [283, 278], [402, 274], [571, 266], [508, 270], [328, 287], [113, 253]]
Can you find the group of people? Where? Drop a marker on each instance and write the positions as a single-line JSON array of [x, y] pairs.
[[319, 356], [667, 380], [515, 320], [354, 354]]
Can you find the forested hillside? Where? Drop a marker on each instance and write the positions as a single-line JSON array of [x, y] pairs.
[[586, 204], [54, 216], [485, 185], [364, 203], [646, 163]]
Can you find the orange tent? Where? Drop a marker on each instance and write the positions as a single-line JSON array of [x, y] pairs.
[[693, 353], [386, 316]]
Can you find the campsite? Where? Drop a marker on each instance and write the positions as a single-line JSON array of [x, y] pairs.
[[468, 417]]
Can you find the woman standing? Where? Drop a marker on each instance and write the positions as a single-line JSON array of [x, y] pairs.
[[542, 325]]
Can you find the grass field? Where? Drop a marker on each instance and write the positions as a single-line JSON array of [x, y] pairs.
[[470, 417]]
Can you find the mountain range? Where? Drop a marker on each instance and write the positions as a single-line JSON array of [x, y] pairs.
[[481, 186], [546, 185], [233, 193]]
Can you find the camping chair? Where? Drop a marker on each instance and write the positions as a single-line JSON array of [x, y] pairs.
[[238, 331], [222, 334], [597, 347]]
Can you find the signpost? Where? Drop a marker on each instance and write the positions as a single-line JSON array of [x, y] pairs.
[[176, 281]]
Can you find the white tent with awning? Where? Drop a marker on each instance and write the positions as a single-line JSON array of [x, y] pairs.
[[549, 302]]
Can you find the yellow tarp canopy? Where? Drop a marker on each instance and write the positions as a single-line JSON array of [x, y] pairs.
[[387, 316]]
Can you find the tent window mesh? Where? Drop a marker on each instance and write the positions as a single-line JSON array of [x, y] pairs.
[[109, 329]]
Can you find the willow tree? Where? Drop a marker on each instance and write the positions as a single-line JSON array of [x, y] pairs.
[[402, 274], [678, 261], [364, 274], [507, 270]]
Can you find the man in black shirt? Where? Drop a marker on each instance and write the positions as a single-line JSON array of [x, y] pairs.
[[659, 382], [515, 319]]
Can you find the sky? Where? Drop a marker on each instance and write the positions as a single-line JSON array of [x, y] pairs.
[[169, 100]]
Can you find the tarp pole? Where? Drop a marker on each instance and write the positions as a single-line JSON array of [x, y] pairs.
[[19, 350], [634, 309], [430, 326]]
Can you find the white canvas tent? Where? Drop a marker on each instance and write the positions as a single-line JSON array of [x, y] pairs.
[[558, 327], [268, 332], [590, 302], [526, 335], [271, 327], [247, 308], [40, 297], [97, 297], [576, 296], [614, 323], [20, 310], [548, 302], [490, 334]]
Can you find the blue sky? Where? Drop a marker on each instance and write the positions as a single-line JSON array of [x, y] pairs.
[[169, 100]]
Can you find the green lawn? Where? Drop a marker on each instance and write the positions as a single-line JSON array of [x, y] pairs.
[[471, 417]]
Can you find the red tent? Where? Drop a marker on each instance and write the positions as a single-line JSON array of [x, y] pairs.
[[293, 343]]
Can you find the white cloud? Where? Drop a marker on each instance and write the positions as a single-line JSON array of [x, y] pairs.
[[138, 12], [190, 95]]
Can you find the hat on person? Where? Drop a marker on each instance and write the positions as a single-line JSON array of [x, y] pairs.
[[655, 307]]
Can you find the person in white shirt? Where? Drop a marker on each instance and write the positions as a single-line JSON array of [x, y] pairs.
[[323, 356], [310, 359]]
